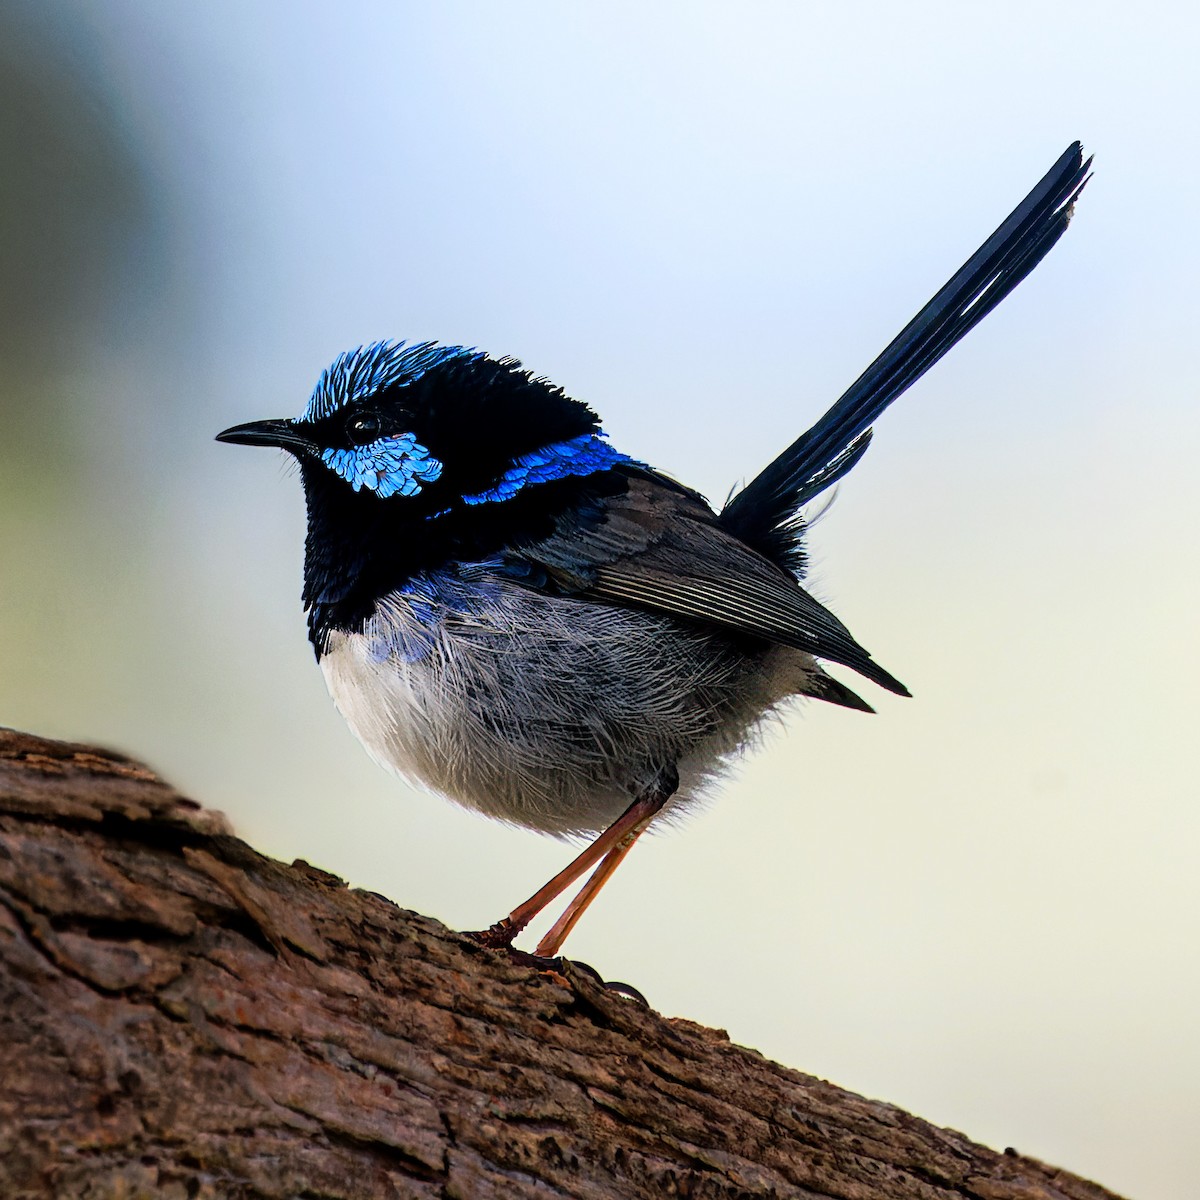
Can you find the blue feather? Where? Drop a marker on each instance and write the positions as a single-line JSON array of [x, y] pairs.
[[429, 598], [363, 372], [582, 455], [388, 466]]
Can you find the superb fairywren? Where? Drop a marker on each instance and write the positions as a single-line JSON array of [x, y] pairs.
[[512, 611]]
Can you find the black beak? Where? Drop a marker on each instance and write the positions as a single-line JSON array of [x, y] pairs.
[[266, 433]]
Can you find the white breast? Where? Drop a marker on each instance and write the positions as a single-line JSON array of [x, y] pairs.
[[548, 711]]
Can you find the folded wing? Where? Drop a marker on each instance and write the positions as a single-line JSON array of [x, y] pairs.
[[660, 548]]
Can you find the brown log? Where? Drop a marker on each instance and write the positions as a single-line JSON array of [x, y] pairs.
[[182, 1017]]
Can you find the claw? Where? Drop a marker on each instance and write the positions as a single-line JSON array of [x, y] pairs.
[[496, 937]]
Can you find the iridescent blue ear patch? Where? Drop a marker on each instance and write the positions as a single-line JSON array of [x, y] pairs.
[[582, 455], [391, 466]]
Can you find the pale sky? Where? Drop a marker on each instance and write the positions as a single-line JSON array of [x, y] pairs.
[[981, 904]]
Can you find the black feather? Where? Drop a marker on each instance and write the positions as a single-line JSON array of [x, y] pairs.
[[833, 691], [660, 547], [763, 513]]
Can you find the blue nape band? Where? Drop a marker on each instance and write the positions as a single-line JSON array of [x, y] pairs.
[[582, 455]]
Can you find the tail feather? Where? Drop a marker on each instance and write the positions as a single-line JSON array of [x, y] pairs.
[[833, 691], [763, 514]]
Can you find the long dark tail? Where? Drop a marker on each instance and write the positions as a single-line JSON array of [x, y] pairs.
[[764, 513]]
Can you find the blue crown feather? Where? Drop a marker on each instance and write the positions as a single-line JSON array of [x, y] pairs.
[[360, 373]]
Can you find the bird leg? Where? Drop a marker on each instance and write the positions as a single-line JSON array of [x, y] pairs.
[[608, 850], [548, 947]]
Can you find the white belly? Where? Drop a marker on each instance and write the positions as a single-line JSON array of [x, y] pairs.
[[549, 712]]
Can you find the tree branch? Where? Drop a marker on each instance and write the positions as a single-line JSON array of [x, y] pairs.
[[182, 1017]]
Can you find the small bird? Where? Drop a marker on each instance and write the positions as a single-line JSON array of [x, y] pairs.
[[516, 614]]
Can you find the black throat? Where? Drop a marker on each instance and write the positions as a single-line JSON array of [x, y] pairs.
[[359, 548], [477, 416]]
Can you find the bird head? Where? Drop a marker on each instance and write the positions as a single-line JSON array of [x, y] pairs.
[[432, 427], [415, 456]]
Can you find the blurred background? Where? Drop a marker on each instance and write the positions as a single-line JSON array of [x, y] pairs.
[[982, 904]]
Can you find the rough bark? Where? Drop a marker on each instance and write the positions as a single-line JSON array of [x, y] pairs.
[[182, 1017]]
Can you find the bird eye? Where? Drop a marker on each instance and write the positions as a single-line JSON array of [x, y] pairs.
[[363, 428]]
